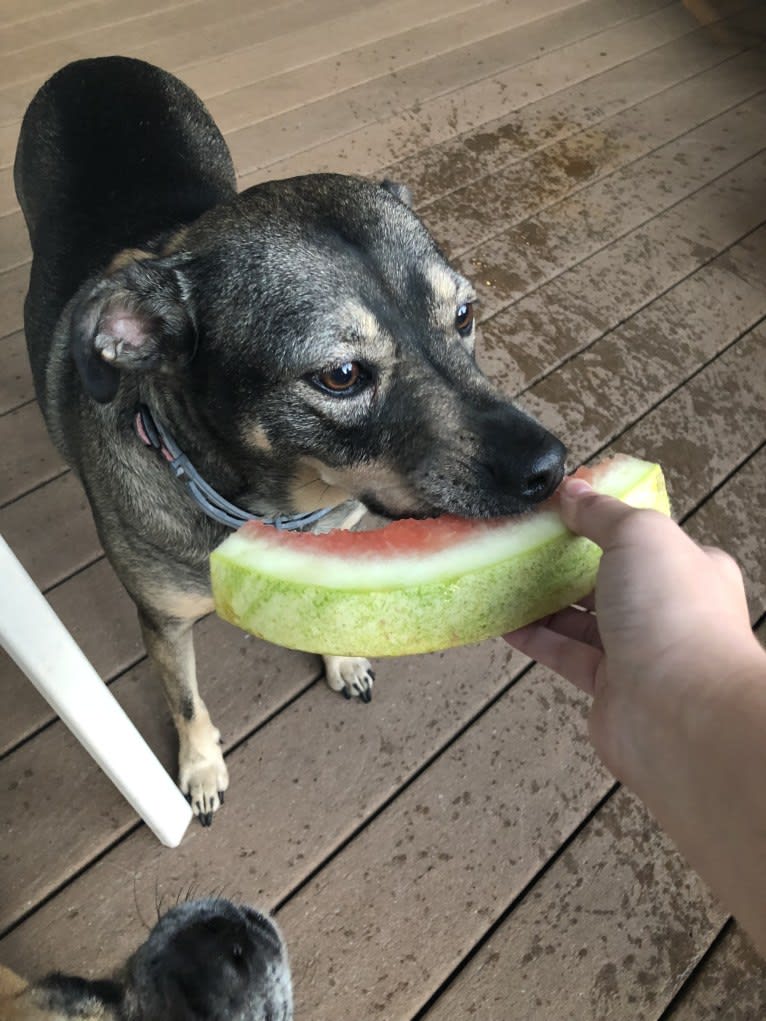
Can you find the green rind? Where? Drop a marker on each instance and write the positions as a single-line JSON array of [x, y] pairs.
[[419, 618]]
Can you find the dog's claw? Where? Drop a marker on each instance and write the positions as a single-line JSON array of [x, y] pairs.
[[351, 676], [221, 796]]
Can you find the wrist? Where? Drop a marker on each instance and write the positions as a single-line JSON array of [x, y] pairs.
[[682, 709]]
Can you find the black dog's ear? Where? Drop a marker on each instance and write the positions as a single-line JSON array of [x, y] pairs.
[[399, 191], [136, 319]]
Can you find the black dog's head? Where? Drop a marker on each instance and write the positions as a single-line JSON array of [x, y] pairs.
[[211, 960], [328, 346]]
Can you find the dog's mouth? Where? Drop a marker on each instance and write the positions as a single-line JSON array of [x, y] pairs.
[[503, 463], [484, 491]]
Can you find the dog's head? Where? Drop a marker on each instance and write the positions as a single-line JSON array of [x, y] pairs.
[[328, 345], [209, 959]]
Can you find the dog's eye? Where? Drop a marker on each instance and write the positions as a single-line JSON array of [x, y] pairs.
[[341, 379], [464, 318]]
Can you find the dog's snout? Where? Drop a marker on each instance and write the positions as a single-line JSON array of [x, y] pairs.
[[545, 473]]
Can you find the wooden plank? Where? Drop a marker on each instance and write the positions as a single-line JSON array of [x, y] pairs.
[[13, 289], [643, 360], [244, 87], [511, 265], [173, 39], [727, 521], [51, 531], [16, 386], [473, 213], [523, 179], [13, 243], [255, 147], [286, 89], [102, 619], [265, 57], [460, 109], [379, 62], [74, 19], [15, 11], [608, 932], [217, 76], [9, 135], [27, 456], [244, 682], [320, 751], [525, 340], [8, 203], [731, 984], [692, 429], [181, 33], [494, 143], [618, 139]]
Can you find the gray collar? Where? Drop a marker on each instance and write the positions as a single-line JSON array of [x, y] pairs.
[[154, 435]]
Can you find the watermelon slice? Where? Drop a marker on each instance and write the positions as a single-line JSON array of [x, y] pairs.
[[416, 586]]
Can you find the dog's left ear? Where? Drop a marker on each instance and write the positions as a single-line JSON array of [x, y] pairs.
[[137, 319], [399, 191]]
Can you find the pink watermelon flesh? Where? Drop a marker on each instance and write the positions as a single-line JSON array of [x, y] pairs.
[[416, 585]]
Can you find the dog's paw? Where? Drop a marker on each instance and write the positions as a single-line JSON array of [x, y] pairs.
[[352, 677], [203, 776]]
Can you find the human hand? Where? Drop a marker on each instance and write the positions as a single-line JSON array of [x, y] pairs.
[[670, 621]]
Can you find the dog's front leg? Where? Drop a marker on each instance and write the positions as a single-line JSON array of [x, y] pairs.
[[351, 676], [203, 776]]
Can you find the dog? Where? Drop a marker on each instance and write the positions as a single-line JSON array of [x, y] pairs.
[[204, 959], [298, 347]]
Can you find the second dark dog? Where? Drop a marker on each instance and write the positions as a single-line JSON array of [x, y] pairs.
[[204, 959], [305, 344]]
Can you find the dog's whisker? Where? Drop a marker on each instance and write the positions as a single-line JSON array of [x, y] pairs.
[[141, 918], [310, 482], [217, 893], [158, 898], [192, 891]]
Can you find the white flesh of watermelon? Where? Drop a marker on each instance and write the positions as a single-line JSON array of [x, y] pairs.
[[494, 577]]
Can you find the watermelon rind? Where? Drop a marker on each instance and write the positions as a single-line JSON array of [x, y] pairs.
[[495, 581]]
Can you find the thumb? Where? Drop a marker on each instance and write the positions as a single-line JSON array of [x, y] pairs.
[[597, 517]]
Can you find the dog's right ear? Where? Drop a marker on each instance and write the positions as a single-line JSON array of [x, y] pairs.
[[137, 319], [399, 191]]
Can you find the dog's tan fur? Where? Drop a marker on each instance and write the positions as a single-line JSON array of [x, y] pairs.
[[20, 1001]]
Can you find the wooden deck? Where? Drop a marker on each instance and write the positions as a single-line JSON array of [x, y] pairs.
[[452, 850]]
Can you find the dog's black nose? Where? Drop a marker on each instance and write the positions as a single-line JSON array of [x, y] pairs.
[[545, 472]]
